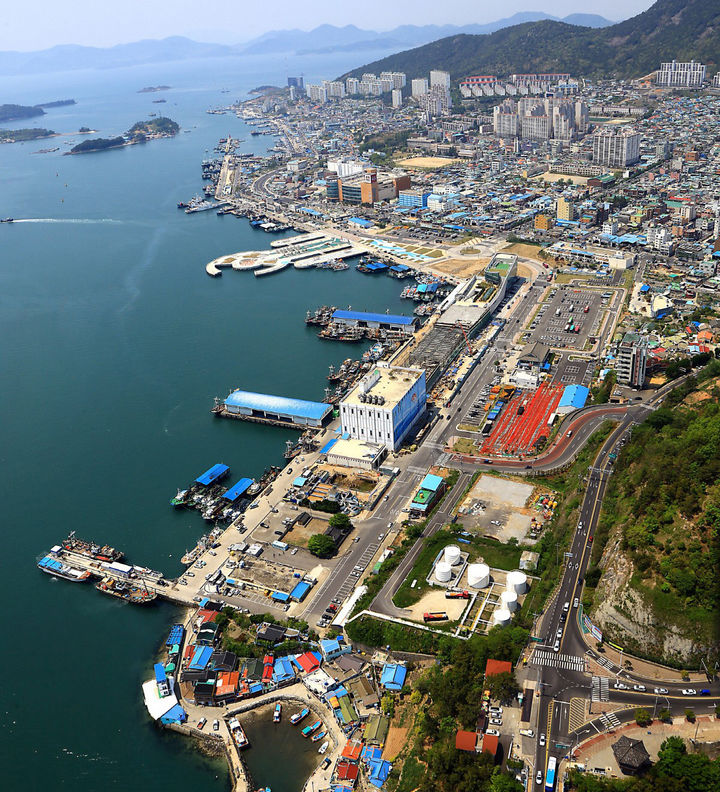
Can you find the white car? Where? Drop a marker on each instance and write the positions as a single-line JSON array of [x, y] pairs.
[[496, 721], [660, 691], [492, 732], [539, 777], [542, 740], [689, 692]]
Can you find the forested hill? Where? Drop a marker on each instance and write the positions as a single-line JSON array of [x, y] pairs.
[[670, 29]]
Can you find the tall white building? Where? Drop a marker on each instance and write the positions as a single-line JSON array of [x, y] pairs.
[[317, 93], [419, 87], [397, 98], [716, 80], [352, 86], [385, 405], [334, 88], [441, 78], [632, 360], [681, 75], [506, 122], [398, 79], [616, 147]]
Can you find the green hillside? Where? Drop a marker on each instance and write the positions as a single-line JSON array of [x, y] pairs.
[[679, 29]]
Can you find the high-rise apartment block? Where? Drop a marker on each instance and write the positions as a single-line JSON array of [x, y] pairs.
[[681, 75], [616, 147], [632, 360], [419, 87], [535, 118]]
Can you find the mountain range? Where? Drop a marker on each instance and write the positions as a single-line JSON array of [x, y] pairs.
[[321, 40], [669, 29]]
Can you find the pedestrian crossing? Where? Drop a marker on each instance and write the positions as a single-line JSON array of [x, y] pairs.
[[600, 689], [604, 662], [610, 720], [542, 657], [352, 580]]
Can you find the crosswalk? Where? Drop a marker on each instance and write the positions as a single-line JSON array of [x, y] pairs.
[[351, 581], [542, 657], [604, 662], [600, 689], [610, 720]]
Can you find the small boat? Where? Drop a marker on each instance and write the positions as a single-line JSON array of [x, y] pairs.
[[52, 565], [138, 595], [7, 220], [324, 747], [317, 737], [179, 499], [277, 713], [298, 716], [238, 733], [308, 730]]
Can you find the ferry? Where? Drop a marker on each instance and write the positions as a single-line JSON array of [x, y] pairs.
[[52, 565], [277, 713], [324, 747], [298, 716], [317, 737], [124, 590], [90, 549], [238, 734], [308, 730]]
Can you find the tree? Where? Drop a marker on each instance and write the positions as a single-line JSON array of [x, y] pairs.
[[664, 715], [501, 782], [642, 717], [321, 546], [503, 686], [341, 521], [690, 715]]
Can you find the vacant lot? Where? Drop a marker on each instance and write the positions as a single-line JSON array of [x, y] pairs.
[[431, 163]]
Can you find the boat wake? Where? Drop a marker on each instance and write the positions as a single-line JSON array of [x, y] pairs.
[[84, 220]]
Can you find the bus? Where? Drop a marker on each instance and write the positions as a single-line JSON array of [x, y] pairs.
[[550, 775]]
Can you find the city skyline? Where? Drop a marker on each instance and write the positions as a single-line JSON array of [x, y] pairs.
[[136, 21]]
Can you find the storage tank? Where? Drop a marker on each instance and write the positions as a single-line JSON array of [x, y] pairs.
[[443, 571], [517, 582], [478, 575], [509, 600], [501, 616], [452, 555]]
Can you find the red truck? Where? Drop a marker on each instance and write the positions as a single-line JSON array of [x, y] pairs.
[[457, 595], [435, 616]]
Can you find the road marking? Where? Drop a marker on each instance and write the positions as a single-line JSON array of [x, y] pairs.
[[543, 657], [600, 689], [576, 717], [610, 720]]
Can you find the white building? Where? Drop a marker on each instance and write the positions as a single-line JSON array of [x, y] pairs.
[[616, 147], [632, 360], [681, 75], [346, 167], [384, 406], [316, 93], [398, 79], [419, 87], [397, 98], [440, 78], [352, 86]]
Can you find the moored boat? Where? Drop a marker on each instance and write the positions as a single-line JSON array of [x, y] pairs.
[[324, 747], [308, 730], [317, 737], [52, 565], [90, 549], [298, 716], [238, 734], [137, 595], [277, 713]]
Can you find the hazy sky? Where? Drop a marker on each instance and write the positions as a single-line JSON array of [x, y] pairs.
[[37, 24]]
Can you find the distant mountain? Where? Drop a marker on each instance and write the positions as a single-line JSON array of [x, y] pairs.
[[679, 29], [323, 39]]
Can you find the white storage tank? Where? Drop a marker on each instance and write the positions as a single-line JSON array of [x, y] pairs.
[[509, 600], [501, 616], [443, 571], [478, 575], [517, 582], [452, 555]]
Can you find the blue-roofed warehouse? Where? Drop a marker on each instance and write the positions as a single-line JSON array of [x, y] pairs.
[[277, 410], [238, 489], [405, 324], [213, 474], [573, 398]]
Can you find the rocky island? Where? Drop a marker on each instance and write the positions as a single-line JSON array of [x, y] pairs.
[[22, 135], [139, 132]]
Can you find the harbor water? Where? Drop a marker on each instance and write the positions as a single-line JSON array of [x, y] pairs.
[[114, 343]]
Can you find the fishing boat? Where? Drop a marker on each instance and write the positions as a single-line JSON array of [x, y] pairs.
[[90, 549], [52, 565], [324, 747], [238, 733], [138, 595], [277, 713], [317, 737], [298, 716], [179, 499], [308, 730]]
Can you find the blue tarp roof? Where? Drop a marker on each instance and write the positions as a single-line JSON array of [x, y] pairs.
[[160, 675], [328, 445], [299, 481], [329, 645], [280, 405], [371, 752], [400, 268], [175, 714], [280, 596], [238, 489], [200, 658], [300, 590], [644, 288], [363, 316], [376, 266], [283, 669], [379, 771], [361, 221], [393, 676], [431, 482], [176, 634], [212, 474], [574, 396]]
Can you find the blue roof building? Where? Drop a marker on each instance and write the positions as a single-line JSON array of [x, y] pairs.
[[238, 489], [573, 398], [375, 320], [393, 676], [276, 409], [213, 474]]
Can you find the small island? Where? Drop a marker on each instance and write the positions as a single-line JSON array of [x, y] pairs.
[[154, 88], [140, 132], [265, 89], [22, 135], [58, 103], [15, 112]]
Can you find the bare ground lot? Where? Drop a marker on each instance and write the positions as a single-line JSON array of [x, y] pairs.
[[504, 502]]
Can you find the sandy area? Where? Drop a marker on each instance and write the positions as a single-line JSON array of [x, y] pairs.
[[395, 742], [510, 493], [435, 600], [462, 268], [427, 162], [554, 177], [301, 533]]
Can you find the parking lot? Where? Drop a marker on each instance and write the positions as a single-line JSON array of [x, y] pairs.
[[568, 318]]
